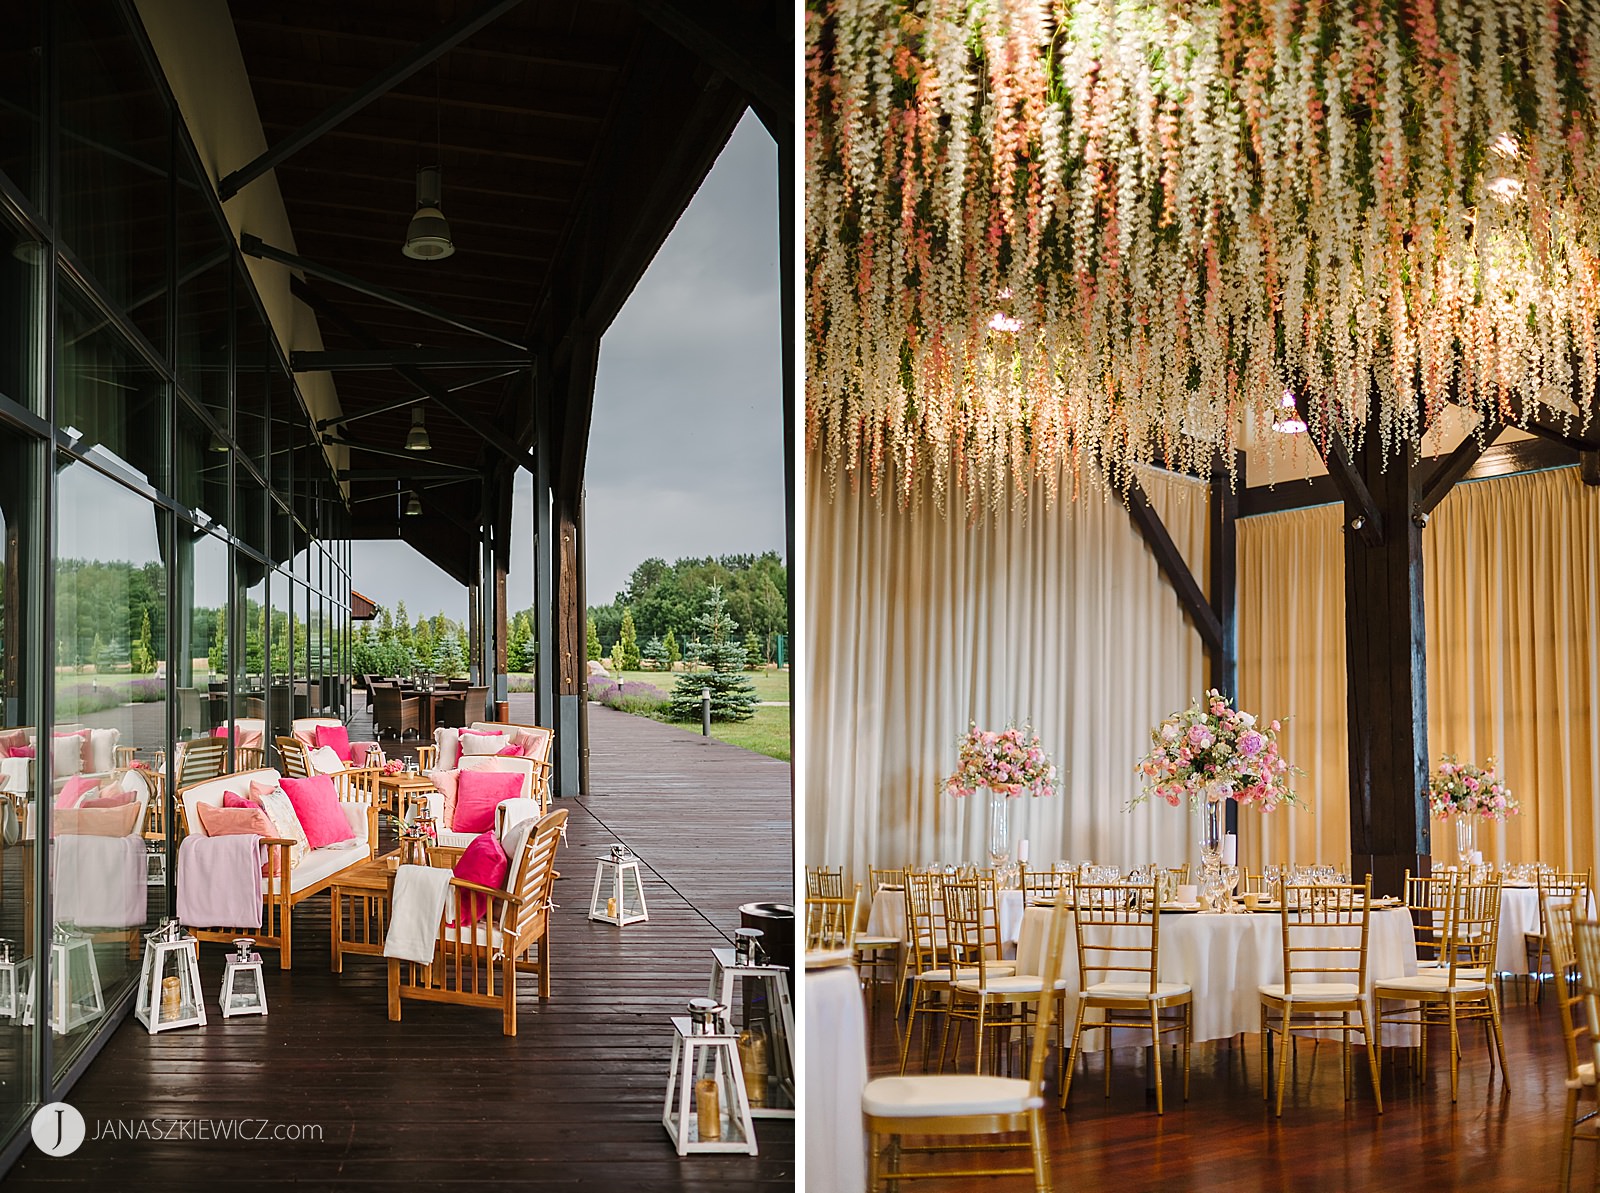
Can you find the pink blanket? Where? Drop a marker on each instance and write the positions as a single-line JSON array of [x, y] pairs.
[[219, 881]]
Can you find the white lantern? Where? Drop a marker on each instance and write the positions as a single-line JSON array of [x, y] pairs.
[[243, 991], [706, 1109], [618, 896], [728, 965], [75, 994], [169, 982], [13, 979]]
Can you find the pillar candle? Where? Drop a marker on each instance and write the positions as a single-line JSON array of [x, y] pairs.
[[1022, 850], [1230, 850]]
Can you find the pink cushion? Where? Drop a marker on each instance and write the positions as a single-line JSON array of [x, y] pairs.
[[220, 731], [231, 821], [243, 739], [261, 788], [95, 822], [336, 737], [74, 790], [478, 794], [445, 781], [532, 741], [480, 733], [484, 862], [114, 800], [230, 800], [317, 805], [510, 752], [14, 740], [22, 751]]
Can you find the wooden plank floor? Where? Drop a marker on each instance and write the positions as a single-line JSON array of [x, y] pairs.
[[441, 1099], [1501, 1135]]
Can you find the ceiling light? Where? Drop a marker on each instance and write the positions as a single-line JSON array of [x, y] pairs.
[[28, 251], [218, 443], [417, 438], [413, 506], [428, 237], [1289, 423]]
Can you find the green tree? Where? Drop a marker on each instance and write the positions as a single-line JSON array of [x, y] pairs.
[[733, 694], [592, 646], [628, 642], [423, 640], [217, 655], [144, 655], [674, 651], [519, 643], [447, 655], [402, 628], [755, 657]]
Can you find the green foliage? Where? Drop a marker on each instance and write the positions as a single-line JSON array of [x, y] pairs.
[[627, 643], [112, 601], [755, 656], [733, 696], [592, 647], [143, 657], [520, 651], [448, 657], [674, 652], [217, 652]]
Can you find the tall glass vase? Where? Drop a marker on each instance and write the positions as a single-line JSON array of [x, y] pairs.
[[999, 829], [1212, 820], [1466, 839]]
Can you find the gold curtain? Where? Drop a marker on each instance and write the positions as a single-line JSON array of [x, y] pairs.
[[1512, 586], [919, 622]]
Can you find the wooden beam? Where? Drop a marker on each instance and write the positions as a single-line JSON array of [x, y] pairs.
[[378, 359], [1170, 560], [342, 109], [1361, 512], [1222, 661], [758, 61], [1453, 468]]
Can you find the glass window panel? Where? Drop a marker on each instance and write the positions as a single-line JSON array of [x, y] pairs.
[[250, 509], [255, 373], [199, 579], [21, 59], [201, 466], [21, 653], [250, 683], [115, 148], [105, 392], [22, 274], [282, 646], [112, 556], [204, 267]]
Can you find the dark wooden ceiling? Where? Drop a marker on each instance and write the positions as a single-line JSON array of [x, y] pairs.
[[571, 134]]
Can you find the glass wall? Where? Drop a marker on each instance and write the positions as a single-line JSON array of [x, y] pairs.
[[165, 513]]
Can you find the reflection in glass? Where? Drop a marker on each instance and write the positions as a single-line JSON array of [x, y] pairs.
[[22, 266], [281, 644], [105, 392], [20, 92], [199, 578], [110, 695]]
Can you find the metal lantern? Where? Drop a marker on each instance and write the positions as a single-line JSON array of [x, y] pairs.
[[155, 863], [14, 979], [75, 994], [706, 1109], [169, 981], [243, 990], [776, 1024], [618, 896]]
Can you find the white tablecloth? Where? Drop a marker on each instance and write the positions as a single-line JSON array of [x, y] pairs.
[[1519, 913], [836, 1071], [1224, 958], [888, 916]]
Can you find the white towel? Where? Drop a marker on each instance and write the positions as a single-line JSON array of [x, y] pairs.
[[418, 908]]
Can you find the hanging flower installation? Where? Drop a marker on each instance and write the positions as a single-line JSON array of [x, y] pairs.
[[1075, 236]]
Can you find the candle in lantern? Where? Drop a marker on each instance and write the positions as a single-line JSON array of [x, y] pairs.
[[171, 997], [708, 1111]]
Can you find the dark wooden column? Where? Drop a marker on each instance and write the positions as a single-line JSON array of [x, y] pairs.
[[1387, 674], [1222, 655], [571, 666]]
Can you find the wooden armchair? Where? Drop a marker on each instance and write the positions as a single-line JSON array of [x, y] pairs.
[[477, 965], [200, 759], [395, 712]]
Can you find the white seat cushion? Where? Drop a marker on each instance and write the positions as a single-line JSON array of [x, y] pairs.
[[992, 968], [876, 942], [1135, 991], [1585, 1077], [318, 864], [1002, 984], [1311, 991], [1437, 982], [940, 1094]]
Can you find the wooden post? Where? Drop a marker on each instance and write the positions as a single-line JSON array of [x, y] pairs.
[[1387, 674], [571, 665], [1222, 658]]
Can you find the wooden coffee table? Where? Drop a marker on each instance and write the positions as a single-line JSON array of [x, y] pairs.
[[395, 791], [360, 910]]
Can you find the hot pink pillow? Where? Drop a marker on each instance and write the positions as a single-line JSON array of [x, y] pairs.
[[74, 788], [484, 862], [335, 736], [510, 752], [14, 740], [230, 800], [22, 751], [480, 733], [115, 800], [445, 781], [220, 731], [317, 805], [478, 794]]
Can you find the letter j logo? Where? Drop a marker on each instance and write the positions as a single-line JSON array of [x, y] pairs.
[[58, 1129]]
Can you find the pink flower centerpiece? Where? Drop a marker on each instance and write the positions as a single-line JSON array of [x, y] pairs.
[[1469, 794], [1212, 751], [1009, 763]]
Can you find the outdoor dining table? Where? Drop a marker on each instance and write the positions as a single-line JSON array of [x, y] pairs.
[[1225, 958], [836, 1072]]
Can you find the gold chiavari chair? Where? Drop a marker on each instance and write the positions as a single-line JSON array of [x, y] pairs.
[[1324, 975], [825, 882], [831, 921], [1571, 887], [1460, 989], [1041, 882], [954, 1105], [1577, 1033], [1428, 900], [1179, 875], [878, 955], [1119, 975], [983, 986]]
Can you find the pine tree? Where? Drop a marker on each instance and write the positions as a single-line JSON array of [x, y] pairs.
[[674, 653], [144, 655], [217, 654], [519, 644], [628, 643], [402, 628], [733, 694], [447, 660], [592, 647], [754, 657]]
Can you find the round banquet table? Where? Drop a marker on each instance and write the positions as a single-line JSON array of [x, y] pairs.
[[888, 915], [1224, 958], [836, 1072], [1519, 913]]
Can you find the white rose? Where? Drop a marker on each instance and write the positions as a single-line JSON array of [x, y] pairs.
[[1246, 720], [1169, 732]]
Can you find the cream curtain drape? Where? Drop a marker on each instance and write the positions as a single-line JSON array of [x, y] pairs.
[[920, 622], [1512, 585]]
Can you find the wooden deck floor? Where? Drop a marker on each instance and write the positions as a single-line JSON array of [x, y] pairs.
[[441, 1099], [1502, 1135]]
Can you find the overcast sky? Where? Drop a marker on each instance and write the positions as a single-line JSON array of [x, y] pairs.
[[686, 447]]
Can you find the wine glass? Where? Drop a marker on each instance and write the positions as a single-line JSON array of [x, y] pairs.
[[1230, 883]]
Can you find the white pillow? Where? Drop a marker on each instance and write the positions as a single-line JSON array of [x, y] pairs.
[[103, 749], [325, 760], [282, 814], [449, 743], [66, 755], [480, 743]]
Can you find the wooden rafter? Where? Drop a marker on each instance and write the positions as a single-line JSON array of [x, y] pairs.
[[1170, 560], [1454, 467]]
